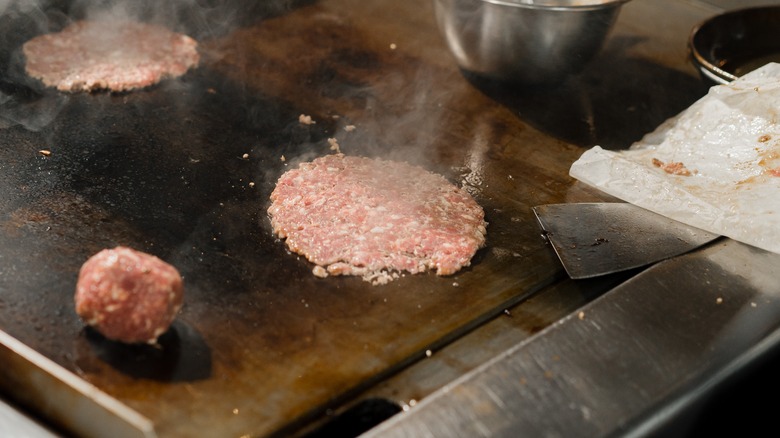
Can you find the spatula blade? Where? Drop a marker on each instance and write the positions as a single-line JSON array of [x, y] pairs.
[[593, 239]]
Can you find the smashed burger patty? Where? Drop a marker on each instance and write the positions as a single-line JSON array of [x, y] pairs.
[[375, 218], [116, 55]]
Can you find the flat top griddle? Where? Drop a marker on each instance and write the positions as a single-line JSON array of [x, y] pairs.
[[261, 345]]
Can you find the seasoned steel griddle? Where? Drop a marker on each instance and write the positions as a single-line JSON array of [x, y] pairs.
[[262, 346], [260, 341]]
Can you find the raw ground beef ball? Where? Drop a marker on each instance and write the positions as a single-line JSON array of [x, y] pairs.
[[127, 295], [109, 54], [375, 218]]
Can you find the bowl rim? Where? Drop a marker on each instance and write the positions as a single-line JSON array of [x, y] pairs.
[[559, 5], [709, 69]]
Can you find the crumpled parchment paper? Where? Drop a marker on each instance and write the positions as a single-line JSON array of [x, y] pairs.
[[715, 166]]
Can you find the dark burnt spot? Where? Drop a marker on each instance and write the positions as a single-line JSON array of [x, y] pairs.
[[356, 58]]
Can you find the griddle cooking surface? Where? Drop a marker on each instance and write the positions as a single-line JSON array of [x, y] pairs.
[[260, 340], [163, 171], [261, 343]]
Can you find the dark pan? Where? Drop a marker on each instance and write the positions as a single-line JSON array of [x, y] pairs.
[[731, 44]]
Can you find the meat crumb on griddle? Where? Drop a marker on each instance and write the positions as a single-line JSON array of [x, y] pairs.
[[109, 54], [375, 218], [306, 120], [128, 296]]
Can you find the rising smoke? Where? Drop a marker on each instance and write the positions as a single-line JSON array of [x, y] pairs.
[[24, 101]]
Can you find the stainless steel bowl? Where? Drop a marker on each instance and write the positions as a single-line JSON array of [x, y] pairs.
[[728, 45], [525, 41]]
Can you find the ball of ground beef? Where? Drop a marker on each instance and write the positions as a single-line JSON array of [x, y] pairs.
[[127, 295]]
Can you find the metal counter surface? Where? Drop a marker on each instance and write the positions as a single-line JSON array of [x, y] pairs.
[[639, 360], [379, 65]]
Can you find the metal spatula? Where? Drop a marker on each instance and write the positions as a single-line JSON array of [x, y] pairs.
[[593, 239]]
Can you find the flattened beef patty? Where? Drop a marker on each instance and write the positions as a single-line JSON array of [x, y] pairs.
[[127, 295], [375, 218], [109, 54]]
